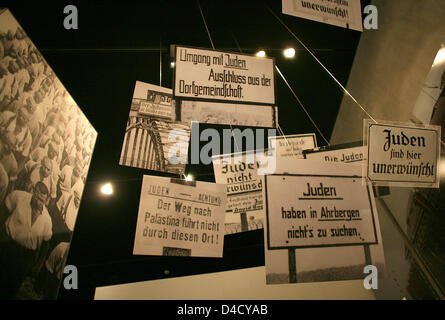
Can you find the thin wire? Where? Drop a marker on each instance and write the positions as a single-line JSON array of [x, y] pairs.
[[282, 134], [205, 24], [213, 47], [321, 64], [280, 131], [302, 106], [160, 61]]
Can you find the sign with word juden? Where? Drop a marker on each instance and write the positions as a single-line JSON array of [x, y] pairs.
[[292, 146], [240, 173], [341, 13], [402, 154], [318, 211], [202, 74], [180, 218], [345, 153]]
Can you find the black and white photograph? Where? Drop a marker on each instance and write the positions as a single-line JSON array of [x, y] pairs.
[[245, 202], [46, 145], [153, 140], [322, 224], [228, 113]]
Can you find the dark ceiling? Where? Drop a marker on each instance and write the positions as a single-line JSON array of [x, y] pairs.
[[119, 42]]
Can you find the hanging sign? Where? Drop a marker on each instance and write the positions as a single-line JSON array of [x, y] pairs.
[[292, 146], [322, 223], [342, 13], [311, 210], [202, 74], [153, 139], [402, 154], [180, 218], [245, 204], [346, 153]]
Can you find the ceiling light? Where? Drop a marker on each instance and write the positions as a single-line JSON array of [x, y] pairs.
[[172, 64], [261, 53], [289, 52], [107, 189]]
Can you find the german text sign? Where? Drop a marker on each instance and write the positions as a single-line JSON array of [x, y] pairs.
[[292, 146], [180, 218], [314, 211], [402, 154], [214, 75], [342, 13]]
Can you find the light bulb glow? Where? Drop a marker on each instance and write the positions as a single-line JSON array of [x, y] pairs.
[[189, 177], [107, 189], [289, 52], [261, 53]]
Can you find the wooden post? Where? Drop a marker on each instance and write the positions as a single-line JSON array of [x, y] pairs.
[[367, 255], [244, 223], [292, 266]]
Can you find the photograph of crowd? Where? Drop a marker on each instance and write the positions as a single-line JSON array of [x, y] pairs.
[[46, 144]]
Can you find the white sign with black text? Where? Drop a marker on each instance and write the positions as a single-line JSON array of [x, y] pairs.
[[180, 218], [346, 154], [322, 223], [202, 74], [318, 210], [402, 154], [341, 13], [245, 203], [292, 146]]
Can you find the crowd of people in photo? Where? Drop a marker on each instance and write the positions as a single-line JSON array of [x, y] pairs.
[[46, 145]]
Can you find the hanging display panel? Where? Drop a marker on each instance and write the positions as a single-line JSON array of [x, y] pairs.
[[46, 145], [322, 223], [202, 74], [346, 14], [240, 173], [180, 218], [153, 139], [292, 146], [402, 154]]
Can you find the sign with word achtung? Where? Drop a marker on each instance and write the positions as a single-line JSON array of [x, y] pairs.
[[180, 218], [342, 13], [312, 211], [402, 154], [292, 146], [202, 74]]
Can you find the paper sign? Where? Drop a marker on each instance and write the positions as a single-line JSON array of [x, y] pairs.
[[229, 113], [180, 218], [312, 210], [292, 146], [402, 154], [202, 74], [342, 13], [245, 205], [322, 223], [339, 153]]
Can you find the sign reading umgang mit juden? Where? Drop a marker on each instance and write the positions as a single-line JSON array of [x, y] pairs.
[[211, 75], [402, 154]]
